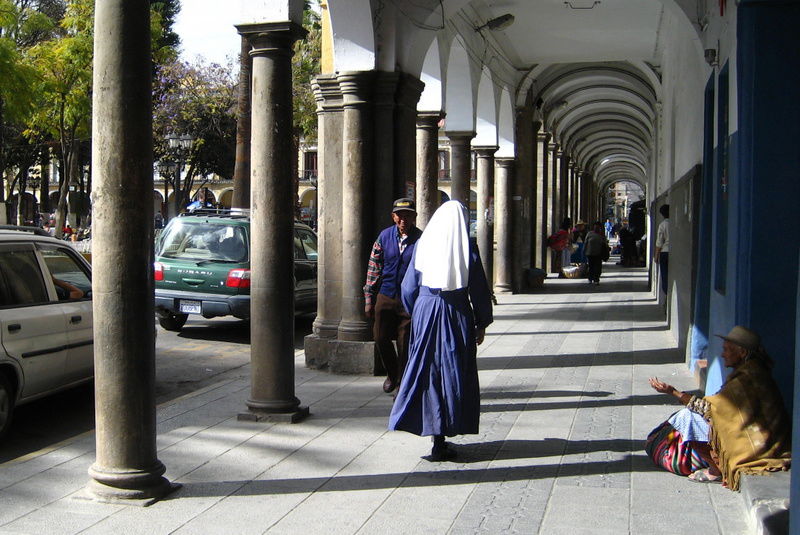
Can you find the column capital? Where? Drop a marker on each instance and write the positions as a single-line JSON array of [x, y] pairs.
[[385, 88], [429, 119], [327, 92], [459, 136], [271, 37], [409, 89], [485, 151], [552, 147], [505, 162], [544, 137], [357, 87]]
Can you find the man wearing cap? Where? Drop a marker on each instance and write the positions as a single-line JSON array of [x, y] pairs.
[[390, 257]]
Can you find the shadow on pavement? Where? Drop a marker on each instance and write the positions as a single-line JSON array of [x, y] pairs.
[[459, 475], [617, 358]]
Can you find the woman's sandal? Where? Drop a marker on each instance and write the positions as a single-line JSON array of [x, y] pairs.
[[703, 476]]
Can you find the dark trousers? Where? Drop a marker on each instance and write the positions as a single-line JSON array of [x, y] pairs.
[[391, 322], [595, 267], [663, 266]]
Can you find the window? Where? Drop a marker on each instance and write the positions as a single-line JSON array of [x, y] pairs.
[[208, 242], [308, 242], [21, 277], [63, 267]]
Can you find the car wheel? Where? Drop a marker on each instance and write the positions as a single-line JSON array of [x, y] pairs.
[[172, 322], [6, 404]]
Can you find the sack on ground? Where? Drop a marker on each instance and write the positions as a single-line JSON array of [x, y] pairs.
[[667, 449]]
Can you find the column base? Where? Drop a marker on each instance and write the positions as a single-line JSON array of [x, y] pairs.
[[325, 328], [128, 487], [293, 417], [344, 357], [502, 289], [354, 331]]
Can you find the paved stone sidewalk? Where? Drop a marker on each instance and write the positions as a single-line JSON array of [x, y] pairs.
[[566, 408]]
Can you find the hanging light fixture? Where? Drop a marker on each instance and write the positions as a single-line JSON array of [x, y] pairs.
[[498, 23]]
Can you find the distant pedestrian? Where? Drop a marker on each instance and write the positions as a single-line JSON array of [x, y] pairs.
[[390, 257], [609, 228], [596, 250], [446, 292], [661, 256]]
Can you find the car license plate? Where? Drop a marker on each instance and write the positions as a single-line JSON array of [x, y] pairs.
[[190, 307]]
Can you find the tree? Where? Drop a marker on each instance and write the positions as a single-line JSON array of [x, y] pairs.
[[63, 85], [197, 99], [305, 66], [23, 23]]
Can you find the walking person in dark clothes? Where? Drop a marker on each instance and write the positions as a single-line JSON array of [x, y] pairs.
[[390, 257], [596, 250]]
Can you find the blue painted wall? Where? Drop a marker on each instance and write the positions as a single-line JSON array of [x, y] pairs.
[[703, 250], [768, 66], [768, 63]]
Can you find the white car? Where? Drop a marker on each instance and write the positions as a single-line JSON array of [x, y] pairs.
[[45, 318]]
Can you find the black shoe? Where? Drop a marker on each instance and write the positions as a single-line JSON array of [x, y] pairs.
[[389, 385], [443, 452]]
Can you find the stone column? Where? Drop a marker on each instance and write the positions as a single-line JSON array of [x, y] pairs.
[[272, 394], [356, 201], [543, 194], [523, 190], [556, 185], [241, 171], [555, 197], [409, 89], [329, 210], [383, 179], [427, 166], [460, 165], [485, 175], [504, 175], [126, 466], [563, 179]]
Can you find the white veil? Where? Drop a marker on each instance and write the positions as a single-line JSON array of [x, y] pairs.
[[442, 253]]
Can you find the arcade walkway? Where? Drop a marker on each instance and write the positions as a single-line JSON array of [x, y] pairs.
[[566, 408]]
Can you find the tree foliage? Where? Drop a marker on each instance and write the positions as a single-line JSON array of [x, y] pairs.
[[197, 99], [305, 66]]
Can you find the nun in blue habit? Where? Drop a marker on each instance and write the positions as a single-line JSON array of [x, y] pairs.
[[446, 293]]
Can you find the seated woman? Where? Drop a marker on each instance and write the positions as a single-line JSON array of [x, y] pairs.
[[747, 428]]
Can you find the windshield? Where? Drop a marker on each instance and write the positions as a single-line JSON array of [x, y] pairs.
[[204, 242]]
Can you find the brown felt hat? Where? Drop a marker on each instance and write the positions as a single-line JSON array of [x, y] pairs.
[[744, 337]]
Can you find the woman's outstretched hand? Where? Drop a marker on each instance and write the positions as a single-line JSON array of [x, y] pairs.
[[660, 386]]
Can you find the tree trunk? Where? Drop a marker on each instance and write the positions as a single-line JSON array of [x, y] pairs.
[[44, 184]]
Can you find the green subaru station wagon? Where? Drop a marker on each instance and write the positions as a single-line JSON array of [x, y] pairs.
[[202, 266]]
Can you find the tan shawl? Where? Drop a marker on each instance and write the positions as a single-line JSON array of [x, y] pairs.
[[750, 430]]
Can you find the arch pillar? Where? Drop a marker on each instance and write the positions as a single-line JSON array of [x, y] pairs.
[[485, 226], [383, 179], [504, 176], [427, 166], [358, 137], [460, 165], [329, 208], [126, 467], [272, 388], [555, 196], [545, 202]]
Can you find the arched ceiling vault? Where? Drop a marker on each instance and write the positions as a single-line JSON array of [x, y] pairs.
[[593, 69]]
